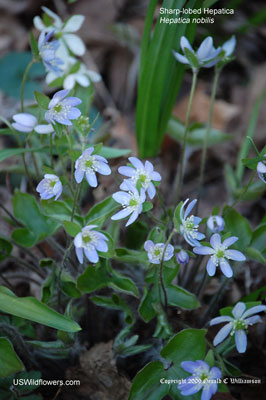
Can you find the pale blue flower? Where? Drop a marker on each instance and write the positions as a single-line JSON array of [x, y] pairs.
[[49, 187], [24, 122], [66, 31], [90, 242], [47, 52], [229, 46], [62, 109], [203, 378], [44, 129], [182, 257], [131, 201], [261, 170], [190, 225], [155, 251], [206, 55], [215, 223], [144, 174], [220, 254], [88, 164], [238, 325]]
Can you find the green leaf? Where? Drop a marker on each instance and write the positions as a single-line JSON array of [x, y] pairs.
[[9, 360], [157, 64], [157, 235], [258, 240], [42, 100], [147, 206], [123, 284], [5, 248], [188, 344], [34, 46], [71, 228], [34, 310], [258, 294], [37, 226], [177, 218], [6, 153], [95, 278], [124, 255], [191, 58], [177, 296], [255, 254], [195, 137], [111, 152], [58, 210], [115, 302], [238, 226], [69, 286], [102, 211], [146, 384], [12, 68]]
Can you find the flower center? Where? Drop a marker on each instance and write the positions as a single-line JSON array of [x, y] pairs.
[[220, 253], [189, 227], [58, 108], [89, 238], [133, 202], [238, 325], [157, 252], [89, 163], [203, 377]]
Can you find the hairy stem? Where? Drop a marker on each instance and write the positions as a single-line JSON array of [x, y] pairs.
[[207, 134], [23, 84], [181, 165], [161, 271]]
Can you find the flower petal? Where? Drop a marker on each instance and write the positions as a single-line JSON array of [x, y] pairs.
[[229, 46], [148, 245], [69, 82], [241, 341], [79, 175], [184, 43], [74, 23], [75, 44], [190, 207], [151, 191], [226, 268], [127, 171], [92, 255], [238, 310], [229, 241], [189, 366], [136, 162], [25, 119], [235, 255], [215, 241], [132, 218], [218, 320], [44, 129], [253, 320], [121, 214], [91, 179], [180, 58], [211, 267], [205, 48], [79, 253], [203, 250], [254, 310], [222, 334]]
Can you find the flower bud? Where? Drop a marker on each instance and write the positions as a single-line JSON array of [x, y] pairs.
[[182, 257], [215, 223]]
